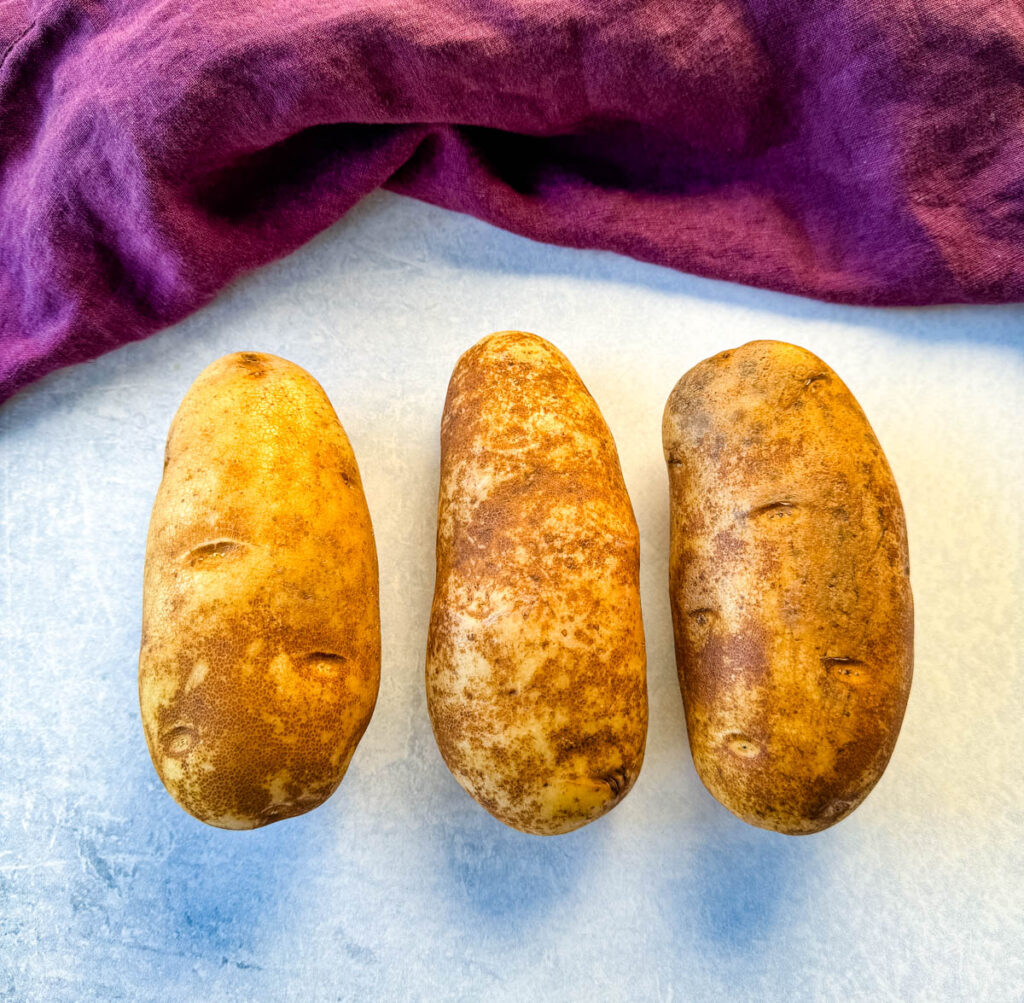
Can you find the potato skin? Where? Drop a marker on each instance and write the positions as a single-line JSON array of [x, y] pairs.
[[536, 669], [789, 584], [260, 657]]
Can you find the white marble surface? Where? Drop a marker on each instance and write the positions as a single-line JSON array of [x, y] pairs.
[[400, 887]]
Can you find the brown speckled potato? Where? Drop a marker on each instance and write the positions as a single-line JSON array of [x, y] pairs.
[[790, 586], [535, 673], [260, 655]]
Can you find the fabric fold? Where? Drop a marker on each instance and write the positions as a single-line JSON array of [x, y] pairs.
[[150, 152]]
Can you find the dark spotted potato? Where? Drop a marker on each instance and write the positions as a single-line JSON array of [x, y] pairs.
[[260, 655], [789, 584], [535, 670]]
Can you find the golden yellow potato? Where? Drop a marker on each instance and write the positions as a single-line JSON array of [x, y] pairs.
[[790, 587], [260, 655], [535, 670]]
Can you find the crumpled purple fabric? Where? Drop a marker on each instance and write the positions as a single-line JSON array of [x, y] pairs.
[[865, 151]]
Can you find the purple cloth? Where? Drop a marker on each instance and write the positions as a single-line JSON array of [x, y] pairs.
[[866, 151]]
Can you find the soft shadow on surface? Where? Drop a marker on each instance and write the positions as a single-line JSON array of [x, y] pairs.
[[496, 876], [482, 247], [209, 894], [741, 882]]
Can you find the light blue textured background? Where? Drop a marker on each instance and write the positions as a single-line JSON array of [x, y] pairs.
[[400, 887]]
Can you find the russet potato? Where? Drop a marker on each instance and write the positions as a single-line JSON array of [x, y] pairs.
[[535, 668], [790, 589], [260, 657]]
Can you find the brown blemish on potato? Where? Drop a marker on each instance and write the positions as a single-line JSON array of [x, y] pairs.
[[693, 632], [254, 364], [727, 544], [727, 656], [809, 654], [261, 626], [535, 663]]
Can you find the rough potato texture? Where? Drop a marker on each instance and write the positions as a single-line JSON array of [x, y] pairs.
[[790, 586], [536, 678], [260, 655]]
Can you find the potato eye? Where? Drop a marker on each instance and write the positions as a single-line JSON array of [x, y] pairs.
[[213, 551], [178, 741], [849, 670], [702, 617], [325, 663], [742, 746], [774, 510]]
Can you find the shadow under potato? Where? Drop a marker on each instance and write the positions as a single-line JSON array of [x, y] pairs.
[[211, 894], [741, 882], [498, 875]]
